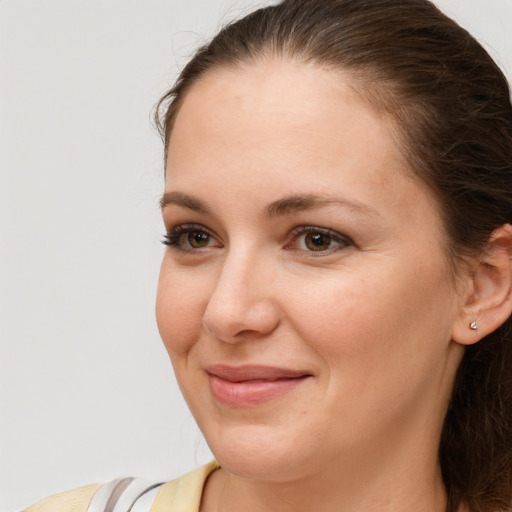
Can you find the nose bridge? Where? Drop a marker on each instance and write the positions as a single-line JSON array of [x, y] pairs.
[[243, 300]]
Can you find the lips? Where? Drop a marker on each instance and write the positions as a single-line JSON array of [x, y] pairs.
[[246, 386]]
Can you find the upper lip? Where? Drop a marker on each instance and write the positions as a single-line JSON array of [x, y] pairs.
[[254, 372]]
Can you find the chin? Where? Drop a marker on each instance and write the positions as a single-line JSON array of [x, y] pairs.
[[261, 467], [259, 454]]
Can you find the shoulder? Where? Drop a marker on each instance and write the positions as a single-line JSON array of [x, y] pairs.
[[71, 501], [180, 495]]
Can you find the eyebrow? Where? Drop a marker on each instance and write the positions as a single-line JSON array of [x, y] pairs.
[[281, 207], [185, 201], [304, 202]]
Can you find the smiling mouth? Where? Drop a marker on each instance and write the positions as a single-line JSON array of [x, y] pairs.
[[246, 386]]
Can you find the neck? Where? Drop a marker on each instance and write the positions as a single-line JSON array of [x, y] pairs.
[[361, 488]]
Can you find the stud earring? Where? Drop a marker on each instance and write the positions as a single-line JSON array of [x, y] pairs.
[[473, 326]]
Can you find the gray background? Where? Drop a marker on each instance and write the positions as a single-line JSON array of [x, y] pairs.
[[86, 389]]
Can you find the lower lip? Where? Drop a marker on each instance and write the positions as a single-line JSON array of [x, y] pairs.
[[251, 392]]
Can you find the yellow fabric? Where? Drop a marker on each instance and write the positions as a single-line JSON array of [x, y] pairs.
[[181, 495], [184, 494], [71, 501]]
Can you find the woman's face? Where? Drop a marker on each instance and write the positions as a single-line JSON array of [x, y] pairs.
[[305, 297]]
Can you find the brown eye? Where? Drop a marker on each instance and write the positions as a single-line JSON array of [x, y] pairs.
[[317, 241], [198, 239], [190, 238]]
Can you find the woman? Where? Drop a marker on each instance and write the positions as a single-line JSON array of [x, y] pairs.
[[336, 293]]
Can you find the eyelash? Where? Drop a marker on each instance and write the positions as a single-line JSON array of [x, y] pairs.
[[174, 239]]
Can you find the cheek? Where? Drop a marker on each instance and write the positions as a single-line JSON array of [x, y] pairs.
[[366, 317], [342, 323], [179, 309], [382, 339]]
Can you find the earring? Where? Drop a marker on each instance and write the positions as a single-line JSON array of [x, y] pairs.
[[473, 326]]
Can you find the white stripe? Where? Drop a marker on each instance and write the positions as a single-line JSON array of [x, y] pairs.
[[101, 496], [144, 503], [136, 488]]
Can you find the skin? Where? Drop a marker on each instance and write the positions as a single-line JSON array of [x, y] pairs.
[[370, 318]]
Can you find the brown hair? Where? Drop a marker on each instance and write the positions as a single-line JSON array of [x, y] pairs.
[[451, 104]]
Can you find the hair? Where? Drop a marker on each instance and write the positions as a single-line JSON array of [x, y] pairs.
[[451, 106]]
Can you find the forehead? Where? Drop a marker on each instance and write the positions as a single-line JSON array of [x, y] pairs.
[[278, 104], [282, 128]]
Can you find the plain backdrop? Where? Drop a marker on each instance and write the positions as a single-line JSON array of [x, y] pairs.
[[86, 389]]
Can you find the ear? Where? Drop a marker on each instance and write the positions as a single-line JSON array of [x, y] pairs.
[[488, 299]]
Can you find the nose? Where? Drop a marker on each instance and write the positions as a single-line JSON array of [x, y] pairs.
[[244, 301]]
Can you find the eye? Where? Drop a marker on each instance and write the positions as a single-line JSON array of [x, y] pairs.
[[316, 239], [189, 237], [198, 239]]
